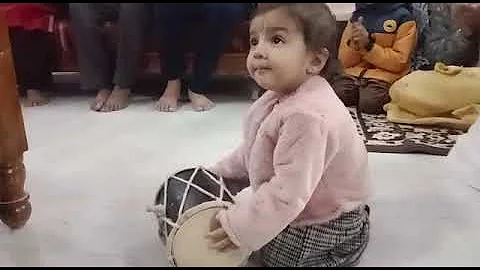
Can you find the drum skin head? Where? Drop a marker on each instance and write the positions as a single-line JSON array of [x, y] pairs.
[[187, 245]]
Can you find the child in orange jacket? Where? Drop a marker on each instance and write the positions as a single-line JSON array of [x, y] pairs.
[[375, 51]]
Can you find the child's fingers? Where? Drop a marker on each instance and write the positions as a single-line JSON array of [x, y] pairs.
[[218, 233], [222, 245], [355, 37], [355, 34], [358, 27], [360, 20], [220, 240], [358, 23]]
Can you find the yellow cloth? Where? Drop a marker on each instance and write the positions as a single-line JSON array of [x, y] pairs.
[[447, 96]]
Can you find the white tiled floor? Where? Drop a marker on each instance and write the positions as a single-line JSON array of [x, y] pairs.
[[91, 176]]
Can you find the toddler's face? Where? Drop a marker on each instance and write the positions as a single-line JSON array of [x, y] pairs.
[[278, 59]]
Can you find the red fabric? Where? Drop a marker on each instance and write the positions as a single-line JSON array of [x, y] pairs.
[[29, 16]]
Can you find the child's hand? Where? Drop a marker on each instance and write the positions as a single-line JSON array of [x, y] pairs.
[[219, 238], [359, 35]]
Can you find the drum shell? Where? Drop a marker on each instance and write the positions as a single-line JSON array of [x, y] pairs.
[[176, 190]]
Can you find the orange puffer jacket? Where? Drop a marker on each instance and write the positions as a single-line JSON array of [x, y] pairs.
[[393, 31]]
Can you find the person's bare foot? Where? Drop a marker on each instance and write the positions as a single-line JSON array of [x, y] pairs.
[[168, 102], [200, 102], [117, 100], [35, 98], [100, 99]]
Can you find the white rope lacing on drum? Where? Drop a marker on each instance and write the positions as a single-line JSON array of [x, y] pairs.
[[160, 210], [185, 193], [223, 187]]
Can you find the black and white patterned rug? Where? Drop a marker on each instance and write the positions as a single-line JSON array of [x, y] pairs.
[[383, 136]]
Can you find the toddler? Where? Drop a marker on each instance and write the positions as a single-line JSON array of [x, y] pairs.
[[305, 163], [375, 51]]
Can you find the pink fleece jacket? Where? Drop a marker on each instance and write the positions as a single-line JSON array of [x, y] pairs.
[[305, 161]]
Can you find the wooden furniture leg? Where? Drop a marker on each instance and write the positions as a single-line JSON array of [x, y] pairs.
[[15, 207]]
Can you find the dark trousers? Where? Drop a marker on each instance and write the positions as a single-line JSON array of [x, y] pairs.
[[368, 94], [211, 25], [99, 66], [34, 58]]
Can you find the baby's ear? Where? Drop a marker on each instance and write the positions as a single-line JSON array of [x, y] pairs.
[[319, 61]]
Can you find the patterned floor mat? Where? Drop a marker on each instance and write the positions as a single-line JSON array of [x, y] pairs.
[[383, 136]]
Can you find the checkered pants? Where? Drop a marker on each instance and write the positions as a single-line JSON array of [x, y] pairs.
[[339, 242]]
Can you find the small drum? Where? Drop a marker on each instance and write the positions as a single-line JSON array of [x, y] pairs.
[[186, 204]]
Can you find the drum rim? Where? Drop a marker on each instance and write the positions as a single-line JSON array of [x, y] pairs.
[[185, 216]]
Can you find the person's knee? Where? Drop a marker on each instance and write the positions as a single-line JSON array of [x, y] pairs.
[[372, 105], [346, 89], [348, 97], [373, 96]]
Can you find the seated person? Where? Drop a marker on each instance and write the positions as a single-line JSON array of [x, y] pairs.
[[112, 77], [375, 50], [302, 162], [33, 47], [177, 22], [447, 33]]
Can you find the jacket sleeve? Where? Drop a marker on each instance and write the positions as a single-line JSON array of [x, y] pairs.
[[233, 165], [299, 158], [397, 58], [348, 56]]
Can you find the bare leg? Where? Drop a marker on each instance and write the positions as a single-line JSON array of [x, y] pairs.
[[168, 102]]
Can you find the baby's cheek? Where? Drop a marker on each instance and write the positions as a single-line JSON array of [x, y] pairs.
[[249, 65]]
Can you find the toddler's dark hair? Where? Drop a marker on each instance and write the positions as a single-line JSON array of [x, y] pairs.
[[319, 28]]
